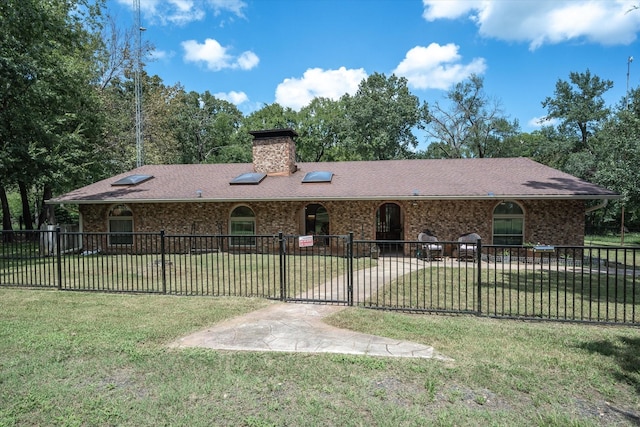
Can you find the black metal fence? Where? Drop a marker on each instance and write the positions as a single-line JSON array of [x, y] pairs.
[[562, 283]]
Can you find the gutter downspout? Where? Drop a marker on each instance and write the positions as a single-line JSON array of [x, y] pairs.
[[597, 207]]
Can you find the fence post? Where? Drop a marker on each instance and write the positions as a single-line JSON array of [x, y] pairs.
[[162, 261], [283, 267], [58, 258], [479, 291], [350, 272]]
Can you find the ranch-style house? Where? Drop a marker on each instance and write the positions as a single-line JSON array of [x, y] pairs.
[[504, 200]]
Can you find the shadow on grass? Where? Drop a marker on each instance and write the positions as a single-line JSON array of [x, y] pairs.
[[600, 287], [625, 353]]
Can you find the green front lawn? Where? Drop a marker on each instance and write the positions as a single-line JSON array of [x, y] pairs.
[[78, 359]]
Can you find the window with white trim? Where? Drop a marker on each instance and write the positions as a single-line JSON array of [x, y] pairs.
[[120, 221], [508, 224], [242, 223]]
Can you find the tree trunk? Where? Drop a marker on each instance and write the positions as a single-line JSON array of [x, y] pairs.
[[47, 212], [26, 209], [7, 235]]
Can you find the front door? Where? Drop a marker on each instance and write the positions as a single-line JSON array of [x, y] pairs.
[[388, 225]]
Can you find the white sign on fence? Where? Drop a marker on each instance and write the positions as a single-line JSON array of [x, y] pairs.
[[305, 241]]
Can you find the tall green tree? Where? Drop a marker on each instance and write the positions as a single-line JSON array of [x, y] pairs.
[[380, 119], [320, 126], [579, 106], [580, 110], [49, 116], [469, 124], [270, 116], [207, 129], [161, 105], [618, 156]]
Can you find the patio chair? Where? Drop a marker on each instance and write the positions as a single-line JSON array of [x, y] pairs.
[[467, 246], [430, 248]]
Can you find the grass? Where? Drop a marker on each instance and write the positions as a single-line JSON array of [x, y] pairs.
[[616, 255], [102, 359], [526, 290], [213, 274], [630, 239]]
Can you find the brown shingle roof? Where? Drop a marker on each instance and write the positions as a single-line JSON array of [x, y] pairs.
[[518, 178]]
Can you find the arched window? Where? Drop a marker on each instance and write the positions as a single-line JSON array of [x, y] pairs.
[[120, 221], [388, 222], [316, 219], [508, 224], [242, 223], [316, 223]]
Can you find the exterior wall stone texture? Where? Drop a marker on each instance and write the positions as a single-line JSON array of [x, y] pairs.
[[556, 222], [274, 156]]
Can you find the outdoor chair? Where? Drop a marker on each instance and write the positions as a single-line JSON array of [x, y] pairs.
[[467, 246], [430, 248]]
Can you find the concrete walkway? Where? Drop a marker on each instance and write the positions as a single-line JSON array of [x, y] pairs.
[[286, 327]]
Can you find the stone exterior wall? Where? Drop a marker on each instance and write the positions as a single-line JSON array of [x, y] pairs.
[[274, 156], [556, 222]]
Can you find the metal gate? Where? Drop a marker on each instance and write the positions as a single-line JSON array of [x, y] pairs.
[[316, 268]]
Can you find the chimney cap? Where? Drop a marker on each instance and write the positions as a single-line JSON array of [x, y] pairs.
[[273, 133]]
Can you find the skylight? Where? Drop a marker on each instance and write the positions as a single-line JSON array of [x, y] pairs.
[[251, 178], [318, 176], [133, 180]]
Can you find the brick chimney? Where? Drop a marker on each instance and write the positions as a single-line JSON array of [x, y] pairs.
[[274, 151]]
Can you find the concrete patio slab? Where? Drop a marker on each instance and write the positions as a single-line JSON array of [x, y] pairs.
[[285, 327]]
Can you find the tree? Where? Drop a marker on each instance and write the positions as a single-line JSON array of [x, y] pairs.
[[471, 125], [579, 106], [6, 216], [320, 126], [206, 129], [271, 116], [162, 105], [618, 155], [117, 105], [380, 118], [49, 117]]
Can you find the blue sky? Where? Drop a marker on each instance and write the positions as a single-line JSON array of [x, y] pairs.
[[257, 52]]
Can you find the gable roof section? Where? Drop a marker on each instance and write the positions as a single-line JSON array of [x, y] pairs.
[[438, 179]]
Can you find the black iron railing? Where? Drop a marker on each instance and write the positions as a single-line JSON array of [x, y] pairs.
[[562, 283]]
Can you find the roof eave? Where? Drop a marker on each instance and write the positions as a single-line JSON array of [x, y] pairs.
[[327, 198]]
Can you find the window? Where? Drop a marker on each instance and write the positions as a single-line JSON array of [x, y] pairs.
[[120, 221], [508, 224], [243, 223], [316, 219]]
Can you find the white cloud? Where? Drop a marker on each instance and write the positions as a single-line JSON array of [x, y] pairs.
[[436, 67], [538, 122], [448, 9], [160, 55], [540, 22], [233, 6], [234, 97], [216, 57], [248, 60], [316, 82], [182, 12]]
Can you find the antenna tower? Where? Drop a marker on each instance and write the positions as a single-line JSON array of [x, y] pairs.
[[138, 83]]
